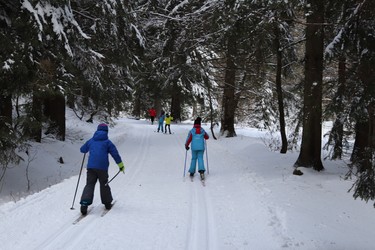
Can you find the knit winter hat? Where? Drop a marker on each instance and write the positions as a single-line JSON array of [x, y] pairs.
[[198, 121], [102, 127]]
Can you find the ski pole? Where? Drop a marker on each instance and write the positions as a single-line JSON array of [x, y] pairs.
[[208, 169], [79, 177], [112, 178], [185, 163]]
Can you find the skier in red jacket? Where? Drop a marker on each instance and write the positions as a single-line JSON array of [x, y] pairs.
[[152, 113]]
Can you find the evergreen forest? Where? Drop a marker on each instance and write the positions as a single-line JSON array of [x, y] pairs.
[[285, 66]]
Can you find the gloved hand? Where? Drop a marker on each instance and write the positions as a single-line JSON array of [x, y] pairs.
[[187, 147], [121, 166]]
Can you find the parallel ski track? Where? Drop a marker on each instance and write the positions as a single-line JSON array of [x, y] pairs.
[[57, 239], [201, 222], [200, 230], [201, 233], [132, 161]]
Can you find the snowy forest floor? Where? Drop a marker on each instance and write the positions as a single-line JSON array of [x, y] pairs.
[[251, 199]]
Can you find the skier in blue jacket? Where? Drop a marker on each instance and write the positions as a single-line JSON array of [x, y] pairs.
[[99, 146], [161, 121], [196, 137]]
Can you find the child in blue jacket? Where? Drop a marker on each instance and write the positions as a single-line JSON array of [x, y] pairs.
[[161, 121], [196, 137], [99, 146]]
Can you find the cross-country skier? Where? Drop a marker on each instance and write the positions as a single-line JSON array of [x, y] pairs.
[[152, 113], [168, 119], [161, 121], [196, 137], [99, 146]]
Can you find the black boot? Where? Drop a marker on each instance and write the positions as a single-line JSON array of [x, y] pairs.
[[201, 174], [108, 206], [83, 209]]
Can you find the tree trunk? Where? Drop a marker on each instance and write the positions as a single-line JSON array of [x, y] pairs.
[[176, 103], [137, 106], [70, 100], [279, 91], [5, 109], [36, 126], [54, 109], [337, 133], [361, 142], [229, 104], [310, 154]]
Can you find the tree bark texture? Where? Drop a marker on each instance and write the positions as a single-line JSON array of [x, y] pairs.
[[310, 153], [176, 104], [6, 109], [337, 133], [54, 109], [229, 103], [36, 126], [279, 91]]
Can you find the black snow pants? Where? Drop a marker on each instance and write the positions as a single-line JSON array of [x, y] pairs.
[[88, 192], [169, 127]]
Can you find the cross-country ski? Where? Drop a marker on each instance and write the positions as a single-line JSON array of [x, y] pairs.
[[81, 216], [107, 209]]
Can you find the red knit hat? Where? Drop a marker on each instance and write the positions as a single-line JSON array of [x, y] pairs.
[[102, 127]]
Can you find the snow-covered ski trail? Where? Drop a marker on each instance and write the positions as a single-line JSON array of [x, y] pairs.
[[76, 232], [81, 216], [151, 195], [201, 228], [105, 211]]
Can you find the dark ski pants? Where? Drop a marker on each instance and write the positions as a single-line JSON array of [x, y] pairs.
[[169, 127], [152, 119], [88, 192]]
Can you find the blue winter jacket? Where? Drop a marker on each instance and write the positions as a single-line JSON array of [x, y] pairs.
[[196, 136], [99, 147], [161, 119]]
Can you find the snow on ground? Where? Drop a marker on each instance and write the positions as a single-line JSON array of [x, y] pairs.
[[251, 199]]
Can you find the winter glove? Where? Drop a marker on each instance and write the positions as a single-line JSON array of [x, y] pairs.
[[121, 166], [187, 147]]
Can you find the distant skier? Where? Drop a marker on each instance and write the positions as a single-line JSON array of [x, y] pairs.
[[168, 119], [99, 146], [196, 136], [152, 113], [161, 121]]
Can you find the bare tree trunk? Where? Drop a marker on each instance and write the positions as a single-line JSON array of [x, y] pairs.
[[229, 103], [137, 105], [54, 109], [5, 109], [36, 126], [310, 154], [337, 132], [361, 141], [279, 91], [176, 103]]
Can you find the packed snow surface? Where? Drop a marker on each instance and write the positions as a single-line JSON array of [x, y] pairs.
[[251, 199]]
